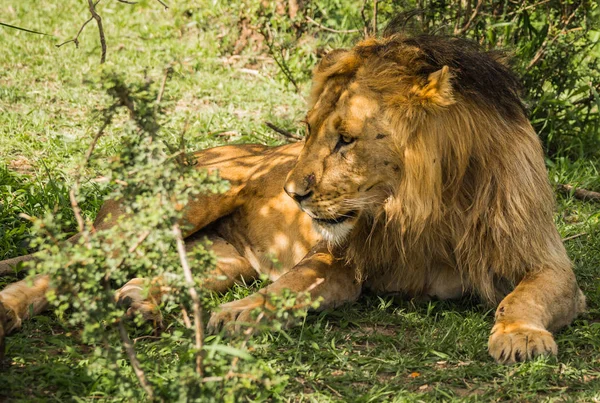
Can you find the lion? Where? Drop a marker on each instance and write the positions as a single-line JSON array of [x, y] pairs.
[[420, 175]]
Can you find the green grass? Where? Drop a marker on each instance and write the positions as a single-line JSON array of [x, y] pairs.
[[376, 349]]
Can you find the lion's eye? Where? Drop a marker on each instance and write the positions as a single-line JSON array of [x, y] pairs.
[[345, 139]]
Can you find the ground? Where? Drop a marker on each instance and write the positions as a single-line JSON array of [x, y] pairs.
[[376, 349]]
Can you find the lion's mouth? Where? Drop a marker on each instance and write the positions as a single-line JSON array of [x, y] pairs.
[[336, 220]]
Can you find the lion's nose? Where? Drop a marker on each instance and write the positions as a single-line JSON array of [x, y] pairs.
[[297, 194]]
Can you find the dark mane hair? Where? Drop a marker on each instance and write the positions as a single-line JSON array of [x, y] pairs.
[[478, 75]]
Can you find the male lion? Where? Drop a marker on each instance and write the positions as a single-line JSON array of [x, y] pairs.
[[420, 175]]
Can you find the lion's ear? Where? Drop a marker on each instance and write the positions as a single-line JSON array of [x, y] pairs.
[[437, 90]]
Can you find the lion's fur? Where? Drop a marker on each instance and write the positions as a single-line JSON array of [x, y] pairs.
[[474, 192]]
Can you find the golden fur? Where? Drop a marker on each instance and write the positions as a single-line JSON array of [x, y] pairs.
[[420, 175]]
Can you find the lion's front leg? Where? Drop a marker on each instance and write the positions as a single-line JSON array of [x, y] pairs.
[[540, 304], [319, 273]]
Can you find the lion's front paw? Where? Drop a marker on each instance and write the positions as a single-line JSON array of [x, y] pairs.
[[515, 342]]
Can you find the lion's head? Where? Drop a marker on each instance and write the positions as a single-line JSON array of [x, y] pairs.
[[420, 154]]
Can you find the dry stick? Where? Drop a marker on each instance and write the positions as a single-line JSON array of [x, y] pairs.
[[471, 19], [194, 295], [283, 132], [163, 83], [98, 19], [336, 31], [375, 17], [574, 236], [579, 193], [130, 350]]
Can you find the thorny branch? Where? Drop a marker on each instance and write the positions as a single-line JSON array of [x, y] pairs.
[[197, 306]]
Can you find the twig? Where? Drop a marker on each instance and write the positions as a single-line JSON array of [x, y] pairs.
[[163, 83], [471, 19], [98, 19], [337, 31], [76, 39], [163, 4], [540, 52], [186, 318], [364, 18], [283, 132], [187, 273], [22, 29], [77, 212], [130, 350], [73, 192], [139, 241], [127, 2], [578, 193], [574, 236], [374, 28]]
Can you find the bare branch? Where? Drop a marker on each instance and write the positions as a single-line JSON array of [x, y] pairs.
[[283, 132], [578, 193], [98, 19], [187, 273], [130, 350], [127, 2], [337, 31], [471, 19]]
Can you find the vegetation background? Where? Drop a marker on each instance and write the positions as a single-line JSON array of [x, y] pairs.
[[232, 66]]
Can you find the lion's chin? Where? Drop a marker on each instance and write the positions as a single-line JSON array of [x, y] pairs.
[[334, 234]]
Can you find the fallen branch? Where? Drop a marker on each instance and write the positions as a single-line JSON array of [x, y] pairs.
[[135, 364], [197, 307], [578, 193], [283, 132]]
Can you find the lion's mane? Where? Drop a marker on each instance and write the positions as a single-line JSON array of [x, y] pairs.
[[473, 193]]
